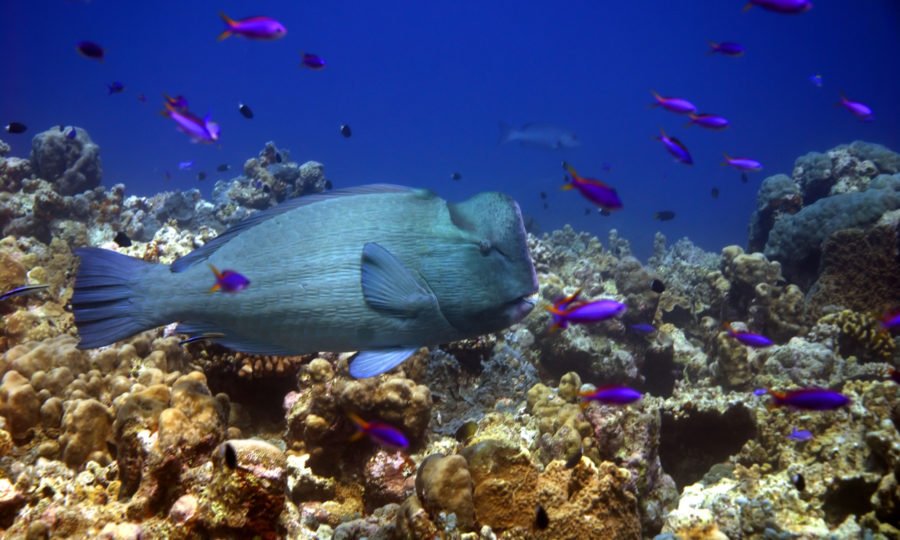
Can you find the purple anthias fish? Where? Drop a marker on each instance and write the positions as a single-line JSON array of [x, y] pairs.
[[72, 134], [203, 131], [800, 435], [708, 121], [612, 395], [252, 28], [228, 281], [115, 87], [810, 399], [742, 164], [789, 7], [859, 110], [728, 48], [19, 291], [312, 61], [676, 148], [587, 312], [891, 319], [89, 49], [593, 190], [676, 105], [381, 433], [748, 338], [643, 328]]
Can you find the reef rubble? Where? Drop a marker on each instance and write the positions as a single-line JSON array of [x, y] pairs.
[[149, 438]]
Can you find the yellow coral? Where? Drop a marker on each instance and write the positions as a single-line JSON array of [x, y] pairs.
[[861, 335]]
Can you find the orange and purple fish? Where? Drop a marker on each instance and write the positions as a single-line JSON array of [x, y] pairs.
[[748, 338], [675, 147], [742, 164], [787, 7], [228, 281], [593, 190], [727, 48], [179, 102], [312, 61], [612, 395], [199, 130], [891, 319], [252, 28], [809, 399], [708, 121], [585, 312], [379, 432], [673, 104], [859, 110]]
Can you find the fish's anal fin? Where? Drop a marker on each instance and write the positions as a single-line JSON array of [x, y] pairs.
[[390, 287], [376, 362]]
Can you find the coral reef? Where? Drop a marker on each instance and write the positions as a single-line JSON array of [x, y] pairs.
[[149, 438]]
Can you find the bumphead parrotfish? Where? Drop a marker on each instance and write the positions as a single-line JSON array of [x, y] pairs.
[[380, 269]]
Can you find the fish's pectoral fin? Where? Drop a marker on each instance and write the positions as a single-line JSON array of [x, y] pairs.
[[372, 363], [390, 287]]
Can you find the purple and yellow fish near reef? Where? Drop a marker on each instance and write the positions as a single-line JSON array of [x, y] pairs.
[[611, 395], [673, 104], [748, 338], [675, 147], [200, 131], [312, 61], [585, 312], [808, 399], [708, 121], [860, 110], [728, 48], [593, 190], [788, 7], [379, 432], [252, 28], [742, 164], [228, 281], [800, 435]]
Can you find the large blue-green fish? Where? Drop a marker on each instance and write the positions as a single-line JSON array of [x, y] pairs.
[[380, 269]]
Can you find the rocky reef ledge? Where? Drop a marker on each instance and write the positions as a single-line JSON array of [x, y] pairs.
[[152, 439]]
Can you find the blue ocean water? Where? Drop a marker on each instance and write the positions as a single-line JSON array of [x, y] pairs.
[[424, 84]]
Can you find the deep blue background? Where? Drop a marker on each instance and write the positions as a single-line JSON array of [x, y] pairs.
[[424, 84]]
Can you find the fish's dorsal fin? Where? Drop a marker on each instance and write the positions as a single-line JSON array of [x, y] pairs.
[[203, 253], [388, 286], [372, 363]]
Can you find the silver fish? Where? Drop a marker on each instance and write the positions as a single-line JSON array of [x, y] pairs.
[[539, 134], [409, 269]]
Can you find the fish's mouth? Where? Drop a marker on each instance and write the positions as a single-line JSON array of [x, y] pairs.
[[520, 308]]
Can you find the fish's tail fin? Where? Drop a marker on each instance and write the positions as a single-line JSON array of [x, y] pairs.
[[108, 302], [713, 47], [229, 22], [748, 6], [726, 159], [693, 119], [507, 132]]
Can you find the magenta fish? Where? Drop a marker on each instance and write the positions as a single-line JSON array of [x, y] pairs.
[[202, 131], [810, 399], [708, 121], [748, 338], [675, 105], [593, 190], [742, 164], [587, 312], [380, 433], [676, 148], [859, 110], [728, 48], [612, 395], [561, 304], [788, 7], [252, 28], [228, 281], [312, 61], [891, 319]]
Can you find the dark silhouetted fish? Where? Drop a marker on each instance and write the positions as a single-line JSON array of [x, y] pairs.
[[346, 131], [455, 176], [657, 286], [664, 215], [122, 239], [245, 111], [17, 127]]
